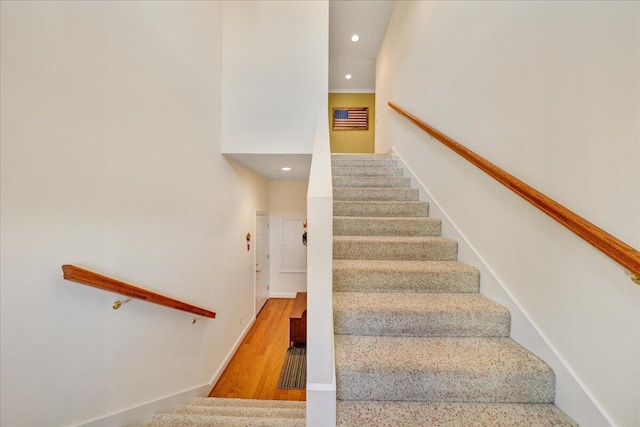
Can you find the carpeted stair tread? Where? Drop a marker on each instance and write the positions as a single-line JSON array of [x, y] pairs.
[[415, 343], [370, 181], [440, 369], [241, 411], [361, 156], [187, 420], [422, 314], [385, 226], [367, 171], [380, 209], [364, 162], [400, 194], [217, 401], [411, 414], [424, 248], [404, 276]]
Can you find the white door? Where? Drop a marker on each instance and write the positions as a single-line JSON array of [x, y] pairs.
[[262, 260]]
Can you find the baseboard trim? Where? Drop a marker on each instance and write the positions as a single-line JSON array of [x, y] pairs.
[[282, 295], [137, 415], [321, 404], [225, 362], [487, 273]]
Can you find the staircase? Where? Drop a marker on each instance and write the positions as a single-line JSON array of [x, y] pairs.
[[415, 341], [211, 412]]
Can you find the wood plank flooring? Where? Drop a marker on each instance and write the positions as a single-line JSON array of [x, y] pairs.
[[254, 370]]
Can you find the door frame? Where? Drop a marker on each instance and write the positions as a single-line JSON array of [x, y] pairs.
[[255, 252]]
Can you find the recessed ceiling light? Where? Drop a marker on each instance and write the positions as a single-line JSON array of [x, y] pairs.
[[286, 169], [348, 76], [355, 38]]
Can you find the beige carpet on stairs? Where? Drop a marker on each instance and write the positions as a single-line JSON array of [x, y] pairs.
[[416, 344], [214, 412]]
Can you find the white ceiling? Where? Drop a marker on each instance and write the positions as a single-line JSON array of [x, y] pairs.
[[368, 19], [270, 165]]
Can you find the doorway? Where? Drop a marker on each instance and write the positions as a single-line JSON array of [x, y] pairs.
[[262, 260]]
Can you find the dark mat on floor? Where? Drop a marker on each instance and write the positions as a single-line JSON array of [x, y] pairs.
[[294, 370]]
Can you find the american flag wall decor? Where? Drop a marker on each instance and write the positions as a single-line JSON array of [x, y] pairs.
[[350, 118]]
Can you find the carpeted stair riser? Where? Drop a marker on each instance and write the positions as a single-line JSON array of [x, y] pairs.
[[383, 226], [393, 414], [424, 314], [182, 420], [364, 162], [380, 209], [411, 328], [404, 276], [240, 411], [375, 194], [244, 403], [371, 181], [208, 411], [366, 171], [440, 369], [395, 248]]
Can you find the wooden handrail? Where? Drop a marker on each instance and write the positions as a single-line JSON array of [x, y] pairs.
[[617, 250], [89, 278]]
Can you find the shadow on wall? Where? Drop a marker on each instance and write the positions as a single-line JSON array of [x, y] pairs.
[[353, 140]]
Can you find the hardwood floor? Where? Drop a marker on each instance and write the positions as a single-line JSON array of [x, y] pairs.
[[254, 370]]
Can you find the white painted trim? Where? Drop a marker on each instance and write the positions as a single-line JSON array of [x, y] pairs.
[[255, 281], [463, 239], [141, 412], [352, 91], [321, 401], [321, 387], [216, 376], [282, 295], [136, 415], [321, 407]]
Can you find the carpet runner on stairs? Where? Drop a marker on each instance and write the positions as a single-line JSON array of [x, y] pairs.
[[415, 343], [209, 411]]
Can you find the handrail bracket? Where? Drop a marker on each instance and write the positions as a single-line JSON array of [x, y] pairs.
[[118, 304]]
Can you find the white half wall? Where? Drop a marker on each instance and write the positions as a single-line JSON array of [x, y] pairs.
[[275, 75], [111, 160], [549, 92], [321, 369], [287, 201]]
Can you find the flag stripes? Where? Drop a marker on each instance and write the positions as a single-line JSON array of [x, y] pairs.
[[350, 118]]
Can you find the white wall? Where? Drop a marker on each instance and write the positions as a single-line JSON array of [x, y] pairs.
[[321, 368], [287, 200], [275, 75], [549, 92], [111, 116]]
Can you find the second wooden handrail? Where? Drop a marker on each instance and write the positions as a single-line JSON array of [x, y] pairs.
[[89, 278], [617, 250]]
